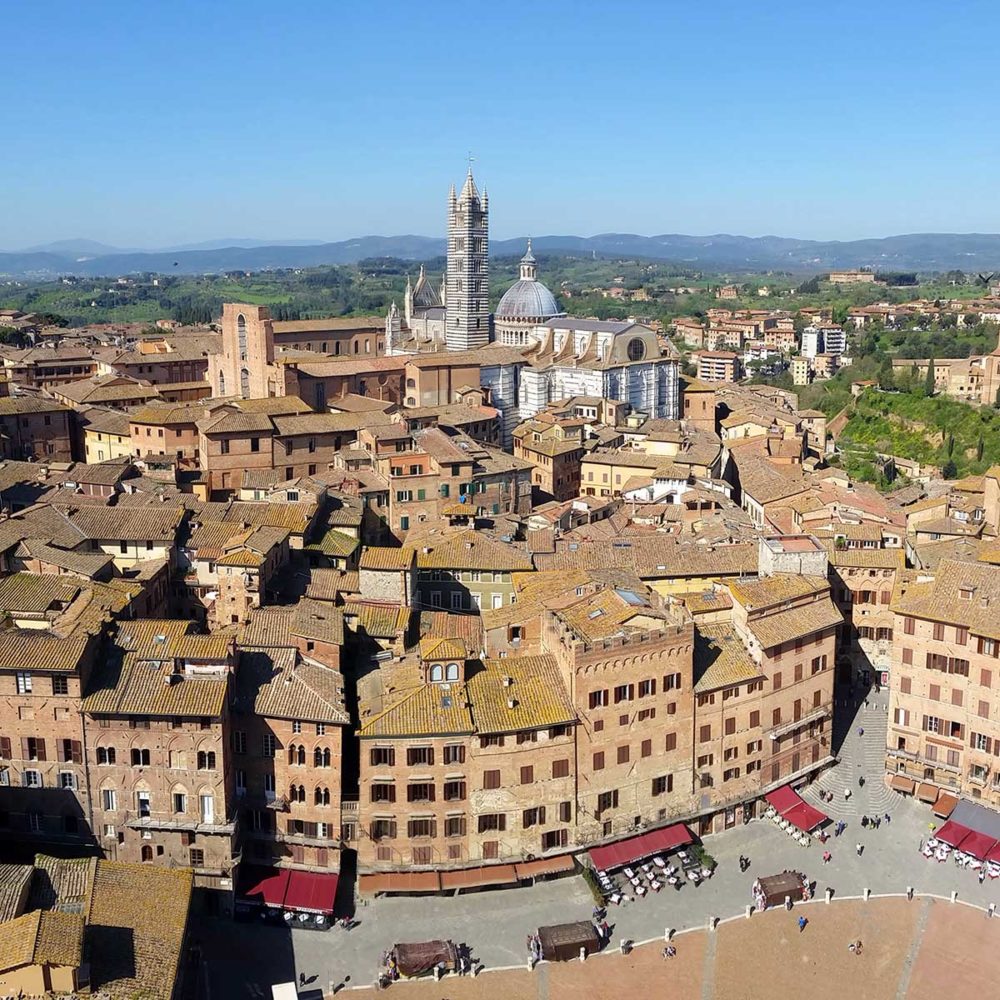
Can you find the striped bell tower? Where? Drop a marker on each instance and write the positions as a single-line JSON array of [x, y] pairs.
[[468, 299]]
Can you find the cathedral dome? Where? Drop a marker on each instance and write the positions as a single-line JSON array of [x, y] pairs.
[[527, 298]]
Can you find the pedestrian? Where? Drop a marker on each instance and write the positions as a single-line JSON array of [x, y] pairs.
[[302, 979], [802, 924], [864, 822], [605, 930], [861, 781], [982, 875], [888, 819], [866, 702], [860, 848], [878, 822], [861, 730], [826, 857]]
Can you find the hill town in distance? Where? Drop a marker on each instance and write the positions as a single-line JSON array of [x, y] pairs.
[[611, 608]]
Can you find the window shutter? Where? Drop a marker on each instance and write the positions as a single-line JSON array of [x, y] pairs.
[[61, 747], [25, 749], [77, 749], [392, 793], [5, 747], [41, 748]]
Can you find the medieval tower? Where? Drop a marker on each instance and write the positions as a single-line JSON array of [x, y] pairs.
[[467, 285]]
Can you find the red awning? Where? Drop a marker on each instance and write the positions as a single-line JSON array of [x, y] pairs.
[[468, 878], [783, 798], [635, 848], [313, 892], [266, 885], [994, 853], [805, 816], [978, 845], [952, 834], [944, 805]]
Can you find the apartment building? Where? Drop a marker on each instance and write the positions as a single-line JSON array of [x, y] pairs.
[[34, 429], [157, 716], [945, 648], [719, 366], [554, 447]]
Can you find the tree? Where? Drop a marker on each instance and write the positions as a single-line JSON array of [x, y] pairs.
[[949, 470], [980, 447], [929, 381], [885, 379], [950, 444]]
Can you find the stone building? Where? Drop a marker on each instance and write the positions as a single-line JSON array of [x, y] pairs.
[[524, 306], [943, 729], [34, 429]]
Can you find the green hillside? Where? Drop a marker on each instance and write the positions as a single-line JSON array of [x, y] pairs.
[[932, 430]]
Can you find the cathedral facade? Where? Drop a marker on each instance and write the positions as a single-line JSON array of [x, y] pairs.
[[555, 356]]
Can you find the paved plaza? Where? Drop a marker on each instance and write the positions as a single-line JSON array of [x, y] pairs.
[[744, 958]]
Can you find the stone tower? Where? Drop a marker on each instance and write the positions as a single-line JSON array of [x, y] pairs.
[[467, 294]]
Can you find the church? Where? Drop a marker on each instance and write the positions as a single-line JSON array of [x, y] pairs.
[[554, 356]]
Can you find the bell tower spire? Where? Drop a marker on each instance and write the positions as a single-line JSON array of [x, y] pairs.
[[467, 297]]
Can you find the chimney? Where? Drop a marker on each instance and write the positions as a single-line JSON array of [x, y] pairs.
[[511, 703], [508, 681]]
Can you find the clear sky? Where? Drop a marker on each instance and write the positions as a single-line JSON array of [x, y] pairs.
[[157, 123]]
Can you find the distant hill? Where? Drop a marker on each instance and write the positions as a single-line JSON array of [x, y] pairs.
[[915, 252]]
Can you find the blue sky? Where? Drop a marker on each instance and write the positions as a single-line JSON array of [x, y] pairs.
[[158, 123]]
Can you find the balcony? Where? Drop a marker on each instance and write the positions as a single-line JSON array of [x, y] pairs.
[[135, 821]]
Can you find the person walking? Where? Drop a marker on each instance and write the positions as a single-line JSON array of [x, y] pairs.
[[827, 856], [888, 819], [860, 848], [802, 924]]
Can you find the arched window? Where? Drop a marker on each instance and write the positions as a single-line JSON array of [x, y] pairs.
[[451, 672], [322, 796], [147, 852], [206, 760], [636, 349], [437, 674], [245, 383], [106, 755], [222, 383], [321, 757], [241, 335]]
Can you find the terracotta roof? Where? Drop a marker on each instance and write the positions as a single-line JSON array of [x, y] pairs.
[[327, 584], [783, 626], [764, 591], [334, 543], [610, 612], [15, 881], [27, 649], [154, 523], [147, 906], [443, 649], [653, 556], [278, 684], [381, 558], [941, 600], [867, 558], [236, 423], [41, 938], [315, 620], [473, 550], [721, 659], [539, 696], [267, 628], [33, 594], [409, 707], [378, 620]]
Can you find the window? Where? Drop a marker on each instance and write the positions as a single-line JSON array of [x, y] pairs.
[[754, 719], [623, 754], [672, 682], [705, 734], [938, 631], [180, 802], [490, 741], [492, 822], [599, 760], [224, 446], [383, 757], [647, 688], [776, 682], [109, 799], [560, 768], [420, 792], [961, 635], [420, 756], [491, 779], [624, 692], [932, 724], [23, 682], [140, 757], [533, 817], [106, 755], [383, 829], [527, 775], [239, 741], [382, 791], [598, 699], [269, 745], [454, 791], [909, 626], [206, 760], [454, 826], [321, 757], [606, 801], [981, 742], [60, 685], [670, 742], [197, 857]]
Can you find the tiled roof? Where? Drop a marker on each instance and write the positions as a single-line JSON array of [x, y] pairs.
[[16, 405], [537, 691], [721, 659], [146, 635], [942, 600], [534, 591], [382, 558], [784, 626], [241, 557], [167, 414], [27, 649], [41, 938], [761, 592], [276, 684], [334, 543], [315, 620], [126, 685], [608, 612], [327, 584], [64, 884], [33, 594], [267, 628], [432, 648], [236, 423], [867, 558], [409, 707], [296, 517], [473, 550], [706, 601], [153, 523], [447, 625], [653, 556], [15, 881], [375, 619], [148, 906]]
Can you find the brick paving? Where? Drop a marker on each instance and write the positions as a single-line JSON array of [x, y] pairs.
[[767, 956]]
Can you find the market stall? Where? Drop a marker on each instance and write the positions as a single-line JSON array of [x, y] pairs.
[[773, 890], [562, 942]]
